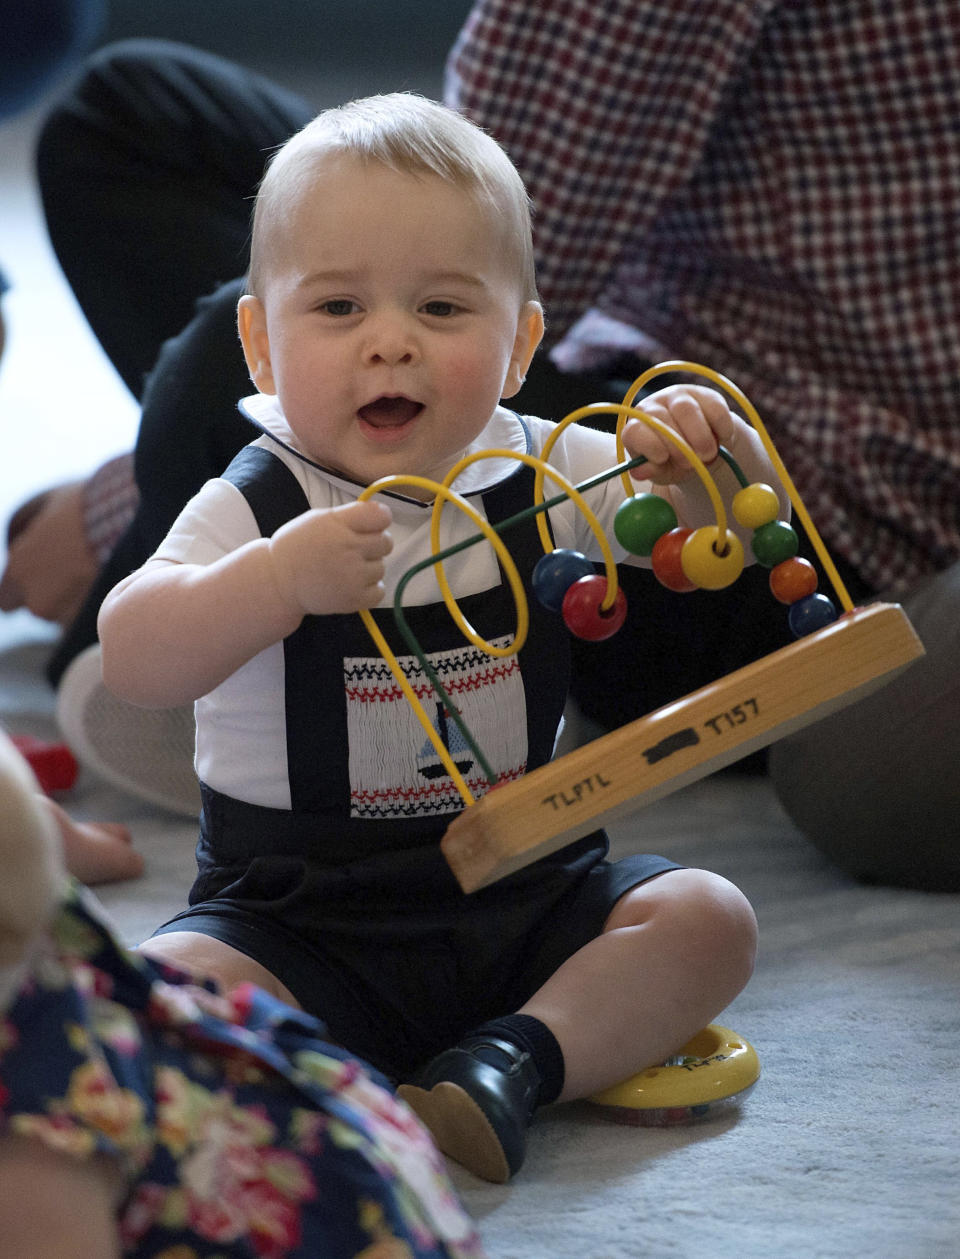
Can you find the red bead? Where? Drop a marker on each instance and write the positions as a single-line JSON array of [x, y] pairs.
[[581, 609], [792, 580], [665, 558]]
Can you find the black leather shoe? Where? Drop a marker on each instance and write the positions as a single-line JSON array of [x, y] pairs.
[[478, 1114]]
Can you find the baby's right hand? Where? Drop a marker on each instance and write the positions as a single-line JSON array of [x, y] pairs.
[[331, 559]]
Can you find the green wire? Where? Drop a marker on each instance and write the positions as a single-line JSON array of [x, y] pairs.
[[733, 465]]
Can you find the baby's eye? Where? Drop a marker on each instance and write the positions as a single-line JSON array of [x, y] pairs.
[[441, 309], [338, 306]]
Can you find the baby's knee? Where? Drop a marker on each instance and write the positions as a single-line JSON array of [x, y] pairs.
[[206, 958], [710, 920], [721, 920]]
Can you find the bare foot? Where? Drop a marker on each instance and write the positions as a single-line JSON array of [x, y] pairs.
[[96, 852]]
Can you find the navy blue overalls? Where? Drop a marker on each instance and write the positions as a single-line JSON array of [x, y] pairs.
[[363, 920]]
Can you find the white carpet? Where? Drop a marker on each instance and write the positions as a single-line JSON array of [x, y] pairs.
[[848, 1148]]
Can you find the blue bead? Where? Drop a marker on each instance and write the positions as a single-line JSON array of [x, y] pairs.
[[811, 613], [555, 573]]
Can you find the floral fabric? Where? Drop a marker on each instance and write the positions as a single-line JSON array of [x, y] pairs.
[[242, 1134]]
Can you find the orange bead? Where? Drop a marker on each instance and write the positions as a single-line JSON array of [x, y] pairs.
[[792, 580]]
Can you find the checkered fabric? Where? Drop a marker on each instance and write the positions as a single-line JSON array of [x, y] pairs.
[[110, 498], [772, 189]]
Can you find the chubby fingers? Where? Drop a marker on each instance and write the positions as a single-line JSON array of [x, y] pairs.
[[330, 560], [698, 414], [370, 521]]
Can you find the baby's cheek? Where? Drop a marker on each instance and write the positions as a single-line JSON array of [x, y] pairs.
[[465, 368]]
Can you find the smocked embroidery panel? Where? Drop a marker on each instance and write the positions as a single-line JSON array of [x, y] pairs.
[[394, 769]]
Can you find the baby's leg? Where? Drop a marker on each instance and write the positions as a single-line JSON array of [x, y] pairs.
[[205, 957], [55, 1205], [32, 864], [674, 952]]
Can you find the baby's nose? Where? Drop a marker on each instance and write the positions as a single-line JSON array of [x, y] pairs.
[[392, 341]]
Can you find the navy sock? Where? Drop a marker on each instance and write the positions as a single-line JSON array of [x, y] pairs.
[[533, 1037]]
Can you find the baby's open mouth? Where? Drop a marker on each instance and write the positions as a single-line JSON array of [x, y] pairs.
[[390, 412]]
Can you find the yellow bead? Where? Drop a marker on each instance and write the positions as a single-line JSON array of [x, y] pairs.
[[704, 566], [756, 505]]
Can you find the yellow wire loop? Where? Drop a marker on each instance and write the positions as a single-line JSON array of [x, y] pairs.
[[733, 391], [443, 493], [412, 699], [542, 468]]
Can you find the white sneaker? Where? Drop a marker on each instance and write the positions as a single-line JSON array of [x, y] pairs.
[[145, 752]]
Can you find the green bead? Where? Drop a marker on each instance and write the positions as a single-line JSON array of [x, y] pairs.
[[774, 543], [641, 520]]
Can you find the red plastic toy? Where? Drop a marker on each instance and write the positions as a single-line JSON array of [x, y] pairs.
[[54, 764]]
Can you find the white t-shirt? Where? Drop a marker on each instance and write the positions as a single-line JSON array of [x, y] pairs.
[[241, 739]]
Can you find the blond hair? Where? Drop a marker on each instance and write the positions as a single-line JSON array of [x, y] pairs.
[[413, 136]]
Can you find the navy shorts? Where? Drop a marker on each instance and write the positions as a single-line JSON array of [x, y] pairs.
[[396, 988]]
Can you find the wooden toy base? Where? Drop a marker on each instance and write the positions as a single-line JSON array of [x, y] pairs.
[[519, 822]]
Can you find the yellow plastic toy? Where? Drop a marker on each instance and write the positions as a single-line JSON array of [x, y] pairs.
[[713, 1072]]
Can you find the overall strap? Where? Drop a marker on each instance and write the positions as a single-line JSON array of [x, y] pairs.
[[270, 488]]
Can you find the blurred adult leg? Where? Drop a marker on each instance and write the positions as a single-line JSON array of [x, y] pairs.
[[190, 429], [147, 169], [875, 787]]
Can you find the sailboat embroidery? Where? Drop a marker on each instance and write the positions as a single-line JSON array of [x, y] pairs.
[[429, 764]]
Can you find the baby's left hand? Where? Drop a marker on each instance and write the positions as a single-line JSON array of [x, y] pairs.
[[699, 414]]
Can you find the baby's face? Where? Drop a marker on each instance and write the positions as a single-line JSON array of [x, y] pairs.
[[389, 323]]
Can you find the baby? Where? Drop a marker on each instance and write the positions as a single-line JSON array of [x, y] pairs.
[[143, 1115], [392, 304]]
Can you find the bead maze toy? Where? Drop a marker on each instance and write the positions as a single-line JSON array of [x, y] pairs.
[[836, 658]]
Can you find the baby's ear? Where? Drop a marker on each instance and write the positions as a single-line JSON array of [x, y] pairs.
[[529, 336], [252, 325]]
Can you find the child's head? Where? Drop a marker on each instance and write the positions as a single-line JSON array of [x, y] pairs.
[[412, 136], [392, 299]]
